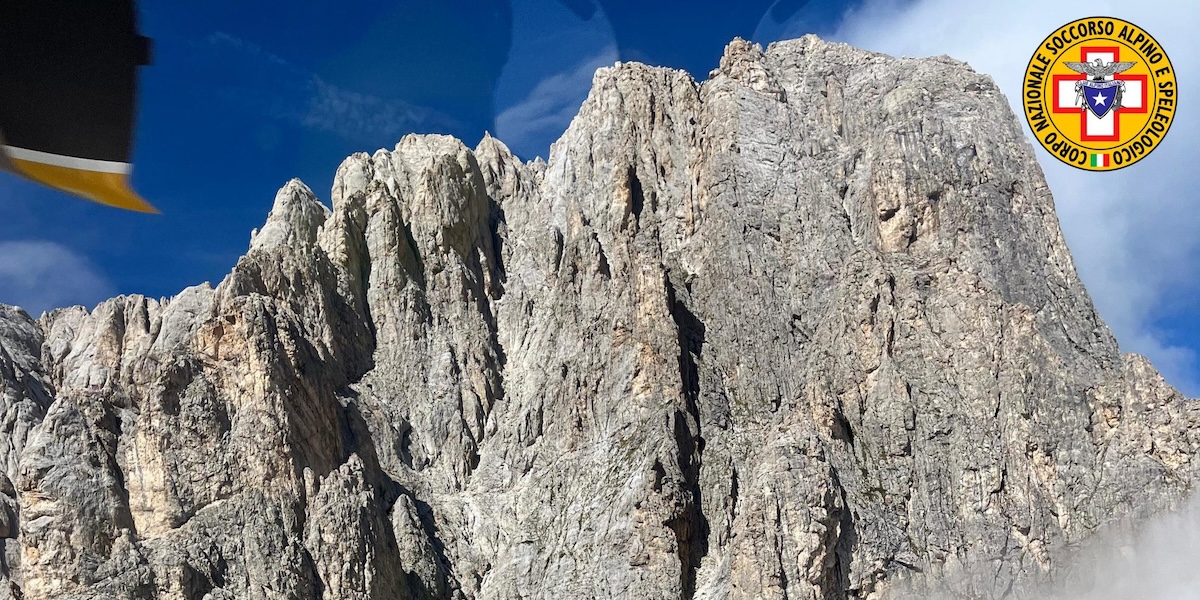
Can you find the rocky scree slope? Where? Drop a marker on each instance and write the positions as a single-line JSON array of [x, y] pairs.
[[808, 330]]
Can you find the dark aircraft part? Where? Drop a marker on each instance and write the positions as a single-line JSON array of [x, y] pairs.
[[68, 95]]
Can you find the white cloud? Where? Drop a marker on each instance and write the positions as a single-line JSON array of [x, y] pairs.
[[355, 115], [814, 16], [543, 85], [1150, 559], [301, 97], [1157, 563], [1132, 232], [545, 113], [39, 275]]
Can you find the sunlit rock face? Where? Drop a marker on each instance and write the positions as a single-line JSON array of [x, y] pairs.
[[807, 330]]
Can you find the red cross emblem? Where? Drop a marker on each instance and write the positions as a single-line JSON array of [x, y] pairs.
[[1091, 127]]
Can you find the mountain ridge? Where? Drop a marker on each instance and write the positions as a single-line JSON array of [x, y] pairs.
[[808, 329]]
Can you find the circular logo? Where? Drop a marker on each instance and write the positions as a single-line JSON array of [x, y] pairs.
[[1099, 93]]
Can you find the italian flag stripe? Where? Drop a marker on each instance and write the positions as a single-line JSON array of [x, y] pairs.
[[1099, 160]]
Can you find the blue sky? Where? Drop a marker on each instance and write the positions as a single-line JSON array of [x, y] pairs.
[[243, 96]]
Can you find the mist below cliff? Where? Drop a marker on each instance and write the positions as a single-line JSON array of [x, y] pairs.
[[1158, 560]]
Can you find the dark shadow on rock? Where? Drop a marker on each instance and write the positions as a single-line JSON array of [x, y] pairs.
[[357, 439], [692, 528]]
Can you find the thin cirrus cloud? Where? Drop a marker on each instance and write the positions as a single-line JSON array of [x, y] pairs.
[[544, 82], [549, 107], [40, 275], [1132, 232], [303, 98]]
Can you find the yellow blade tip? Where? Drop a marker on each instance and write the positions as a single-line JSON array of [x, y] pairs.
[[111, 189]]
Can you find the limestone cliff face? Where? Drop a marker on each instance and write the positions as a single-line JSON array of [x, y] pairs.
[[808, 330]]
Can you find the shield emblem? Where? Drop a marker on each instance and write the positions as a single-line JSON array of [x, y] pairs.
[[1100, 96]]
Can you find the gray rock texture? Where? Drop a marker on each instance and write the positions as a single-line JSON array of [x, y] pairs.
[[808, 330]]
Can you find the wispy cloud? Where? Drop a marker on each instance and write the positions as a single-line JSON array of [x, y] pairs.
[[1132, 232], [787, 19], [287, 92], [39, 275], [544, 114], [549, 72]]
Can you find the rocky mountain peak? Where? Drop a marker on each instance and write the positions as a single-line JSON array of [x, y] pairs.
[[808, 329], [294, 219]]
